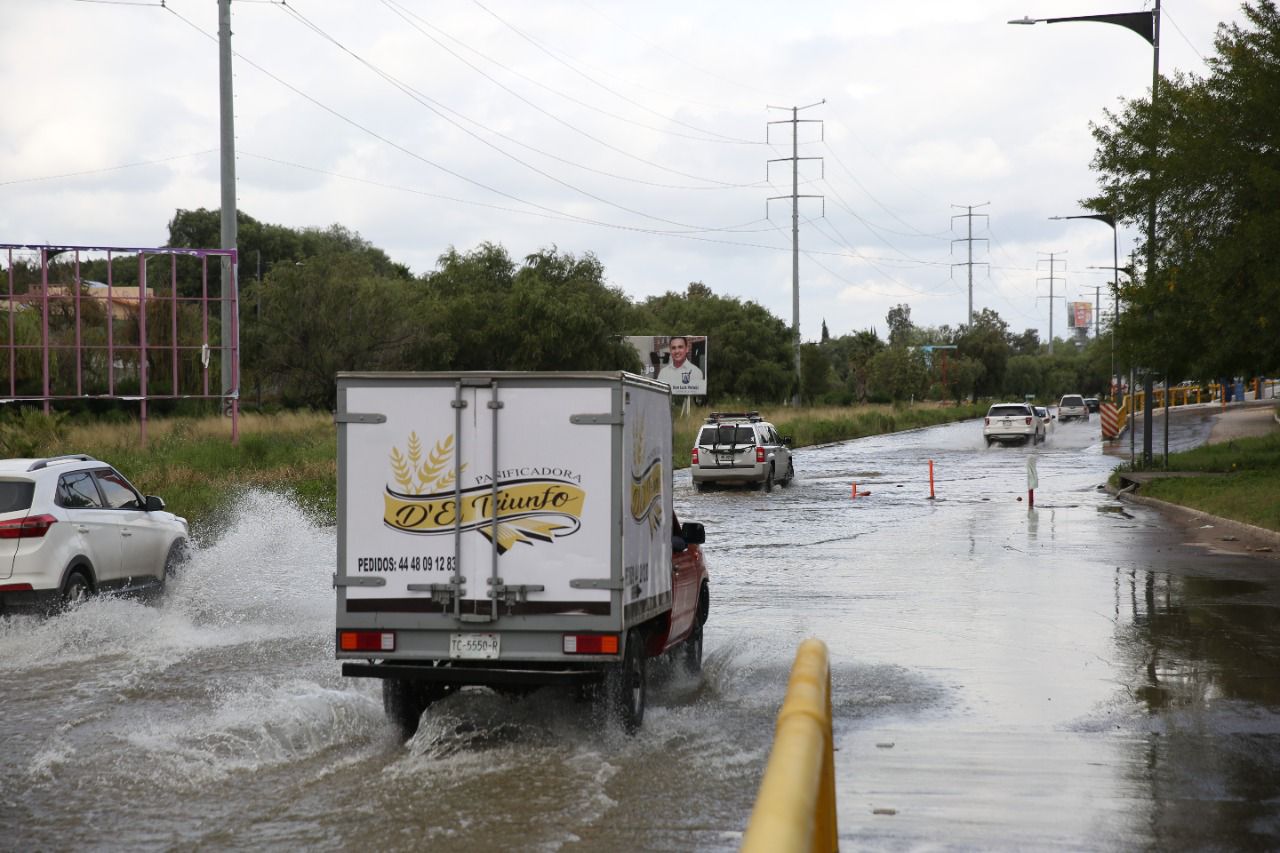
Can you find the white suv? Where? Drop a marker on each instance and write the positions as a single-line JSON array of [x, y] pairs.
[[740, 447], [71, 526], [1007, 422]]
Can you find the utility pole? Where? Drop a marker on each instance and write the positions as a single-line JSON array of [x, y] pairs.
[[228, 161], [795, 197], [969, 240], [1097, 310], [1053, 262]]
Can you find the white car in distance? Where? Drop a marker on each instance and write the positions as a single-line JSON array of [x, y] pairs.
[[1072, 407], [1045, 418]]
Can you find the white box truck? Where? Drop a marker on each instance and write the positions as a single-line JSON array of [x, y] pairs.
[[511, 530]]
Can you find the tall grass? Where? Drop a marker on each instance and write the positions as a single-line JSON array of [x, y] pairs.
[[192, 464]]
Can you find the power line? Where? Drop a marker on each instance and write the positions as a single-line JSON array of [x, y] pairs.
[[435, 107], [406, 15], [105, 169], [537, 44], [397, 146]]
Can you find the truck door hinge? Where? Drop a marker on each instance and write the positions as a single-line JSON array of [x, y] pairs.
[[595, 583], [441, 593], [359, 418], [512, 593], [605, 419]]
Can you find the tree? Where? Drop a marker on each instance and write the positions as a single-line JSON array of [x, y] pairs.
[[985, 339], [333, 313], [1211, 304], [862, 350], [899, 320], [553, 312], [815, 372], [899, 373], [963, 375], [1027, 343]]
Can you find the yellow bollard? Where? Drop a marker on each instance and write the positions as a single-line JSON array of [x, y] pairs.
[[795, 808]]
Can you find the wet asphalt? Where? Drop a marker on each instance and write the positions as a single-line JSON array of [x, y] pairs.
[[1080, 675]]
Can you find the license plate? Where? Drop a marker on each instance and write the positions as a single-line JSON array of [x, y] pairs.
[[474, 646], [725, 459], [1006, 423]]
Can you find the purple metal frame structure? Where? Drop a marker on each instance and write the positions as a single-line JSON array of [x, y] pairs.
[[174, 348]]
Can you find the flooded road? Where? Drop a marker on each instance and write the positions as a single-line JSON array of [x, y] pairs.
[[1068, 677]]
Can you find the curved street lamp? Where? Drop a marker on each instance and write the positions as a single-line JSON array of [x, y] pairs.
[[1115, 281], [1147, 25]]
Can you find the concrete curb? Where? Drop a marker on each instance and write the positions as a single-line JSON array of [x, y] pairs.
[[1188, 515]]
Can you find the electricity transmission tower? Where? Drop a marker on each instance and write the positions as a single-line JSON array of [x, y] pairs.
[[969, 240], [795, 197], [1051, 278]]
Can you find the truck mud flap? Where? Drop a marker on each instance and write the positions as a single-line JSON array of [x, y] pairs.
[[484, 676]]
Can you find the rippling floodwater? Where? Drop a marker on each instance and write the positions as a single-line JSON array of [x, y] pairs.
[[1069, 677]]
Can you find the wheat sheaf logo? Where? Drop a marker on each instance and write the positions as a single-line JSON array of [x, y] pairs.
[[646, 483], [529, 504]]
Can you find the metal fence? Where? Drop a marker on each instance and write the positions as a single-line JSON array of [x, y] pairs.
[[68, 338]]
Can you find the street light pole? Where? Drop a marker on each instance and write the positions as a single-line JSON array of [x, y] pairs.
[[1115, 283], [1147, 25]]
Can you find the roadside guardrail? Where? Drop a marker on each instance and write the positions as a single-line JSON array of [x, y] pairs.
[[795, 807]]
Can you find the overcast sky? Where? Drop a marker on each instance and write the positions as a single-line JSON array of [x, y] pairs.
[[637, 131]]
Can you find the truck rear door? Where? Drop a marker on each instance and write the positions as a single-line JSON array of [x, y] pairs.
[[478, 499]]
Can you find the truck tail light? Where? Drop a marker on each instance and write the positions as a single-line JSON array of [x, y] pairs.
[[31, 527], [759, 454], [590, 644], [367, 641], [694, 458]]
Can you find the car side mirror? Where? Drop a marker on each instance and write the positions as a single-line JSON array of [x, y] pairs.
[[786, 439], [154, 504], [694, 533]]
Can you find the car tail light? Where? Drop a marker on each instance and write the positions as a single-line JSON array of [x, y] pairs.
[[367, 641], [1028, 421], [694, 458], [31, 527], [590, 644], [759, 454], [986, 421], [15, 587]]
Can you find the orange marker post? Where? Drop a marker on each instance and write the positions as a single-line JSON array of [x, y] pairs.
[[853, 493], [931, 496]]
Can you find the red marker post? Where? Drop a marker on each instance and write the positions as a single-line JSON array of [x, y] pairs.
[[1033, 480], [931, 497]]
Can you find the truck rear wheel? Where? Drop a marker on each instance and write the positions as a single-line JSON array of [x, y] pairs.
[[626, 686], [404, 700]]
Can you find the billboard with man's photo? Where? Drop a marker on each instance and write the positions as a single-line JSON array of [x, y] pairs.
[[678, 360]]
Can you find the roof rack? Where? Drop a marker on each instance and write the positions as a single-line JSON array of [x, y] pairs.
[[716, 417], [69, 457]]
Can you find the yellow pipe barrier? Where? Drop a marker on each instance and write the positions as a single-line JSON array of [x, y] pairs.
[[795, 810]]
